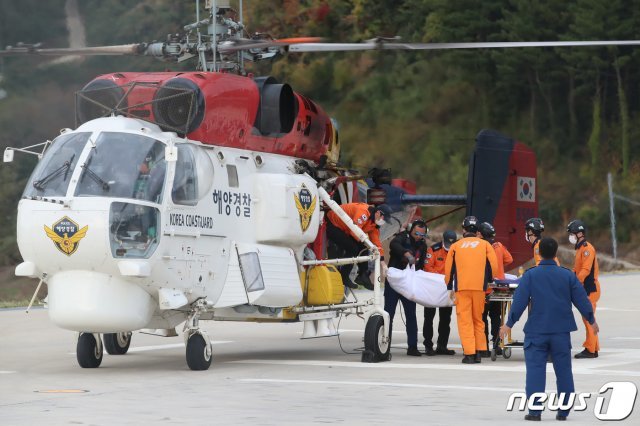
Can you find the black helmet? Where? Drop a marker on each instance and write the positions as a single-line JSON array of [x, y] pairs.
[[534, 225], [576, 226], [470, 224], [487, 230], [385, 210], [449, 237]]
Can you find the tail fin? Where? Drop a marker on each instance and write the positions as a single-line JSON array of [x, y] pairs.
[[502, 190]]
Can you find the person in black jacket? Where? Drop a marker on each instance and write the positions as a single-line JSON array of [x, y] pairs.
[[407, 248]]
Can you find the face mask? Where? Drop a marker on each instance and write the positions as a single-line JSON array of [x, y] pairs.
[[573, 239], [380, 222]]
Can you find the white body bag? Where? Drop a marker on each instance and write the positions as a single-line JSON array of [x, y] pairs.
[[425, 288]]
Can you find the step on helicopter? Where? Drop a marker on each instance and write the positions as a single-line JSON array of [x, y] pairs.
[[188, 196]]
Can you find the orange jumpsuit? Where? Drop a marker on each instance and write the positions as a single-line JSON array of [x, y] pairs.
[[359, 213], [504, 259], [468, 269], [536, 253], [586, 269], [436, 258]]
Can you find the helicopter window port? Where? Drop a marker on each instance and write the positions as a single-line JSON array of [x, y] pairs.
[[251, 271], [193, 177], [52, 175], [232, 175], [124, 165], [133, 230]]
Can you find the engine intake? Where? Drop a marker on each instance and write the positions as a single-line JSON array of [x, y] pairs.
[[98, 99], [179, 106]]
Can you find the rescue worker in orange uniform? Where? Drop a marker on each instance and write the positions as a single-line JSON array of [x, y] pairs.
[[533, 229], [493, 309], [469, 268], [345, 244], [436, 258], [587, 271]]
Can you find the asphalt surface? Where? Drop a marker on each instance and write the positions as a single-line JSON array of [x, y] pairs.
[[263, 374]]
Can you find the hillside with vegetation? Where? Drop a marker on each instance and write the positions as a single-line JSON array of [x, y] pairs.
[[415, 112]]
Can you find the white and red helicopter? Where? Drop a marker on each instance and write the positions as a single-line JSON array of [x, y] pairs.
[[188, 196]]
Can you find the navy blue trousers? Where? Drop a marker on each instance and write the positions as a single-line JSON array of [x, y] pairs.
[[537, 347], [391, 298]]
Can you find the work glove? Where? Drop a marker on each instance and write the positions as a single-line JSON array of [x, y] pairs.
[[410, 258]]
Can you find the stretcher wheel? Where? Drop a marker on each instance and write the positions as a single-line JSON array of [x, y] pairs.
[[494, 356], [506, 353]]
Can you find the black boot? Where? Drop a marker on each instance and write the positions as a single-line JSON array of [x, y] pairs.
[[586, 354], [364, 280], [344, 273], [535, 418], [444, 351], [413, 351], [469, 359], [478, 357], [428, 351]]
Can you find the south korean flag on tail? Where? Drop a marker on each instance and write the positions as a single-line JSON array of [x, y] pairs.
[[526, 189]]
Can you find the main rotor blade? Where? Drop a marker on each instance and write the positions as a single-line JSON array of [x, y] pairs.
[[247, 44], [125, 49], [382, 45]]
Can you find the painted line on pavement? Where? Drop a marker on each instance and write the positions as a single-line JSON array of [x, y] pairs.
[[384, 384], [490, 368]]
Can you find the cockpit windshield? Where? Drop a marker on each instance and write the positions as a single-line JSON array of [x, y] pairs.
[[52, 175], [124, 165]]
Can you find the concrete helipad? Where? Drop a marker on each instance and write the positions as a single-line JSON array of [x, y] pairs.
[[263, 374]]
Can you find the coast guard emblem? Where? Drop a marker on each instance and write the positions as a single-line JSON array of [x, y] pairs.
[[65, 235], [305, 204]]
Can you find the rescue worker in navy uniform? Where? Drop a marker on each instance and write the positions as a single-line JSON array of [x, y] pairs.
[[436, 257], [406, 248], [551, 290]]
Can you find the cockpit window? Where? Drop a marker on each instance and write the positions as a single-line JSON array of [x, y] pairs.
[[52, 175], [124, 165]]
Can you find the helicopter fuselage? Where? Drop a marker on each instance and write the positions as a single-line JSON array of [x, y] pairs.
[[130, 225]]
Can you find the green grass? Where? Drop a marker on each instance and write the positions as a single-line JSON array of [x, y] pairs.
[[17, 303]]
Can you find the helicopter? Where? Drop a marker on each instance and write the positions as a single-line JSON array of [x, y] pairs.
[[188, 196]]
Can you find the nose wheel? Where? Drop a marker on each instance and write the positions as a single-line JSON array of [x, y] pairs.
[[377, 346], [89, 350], [198, 352]]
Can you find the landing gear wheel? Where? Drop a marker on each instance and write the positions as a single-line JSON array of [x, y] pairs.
[[374, 340], [494, 356], [198, 352], [117, 343], [506, 353], [88, 351]]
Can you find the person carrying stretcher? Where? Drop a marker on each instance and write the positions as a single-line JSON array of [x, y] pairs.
[[469, 268]]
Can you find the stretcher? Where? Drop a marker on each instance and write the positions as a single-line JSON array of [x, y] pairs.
[[503, 291]]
